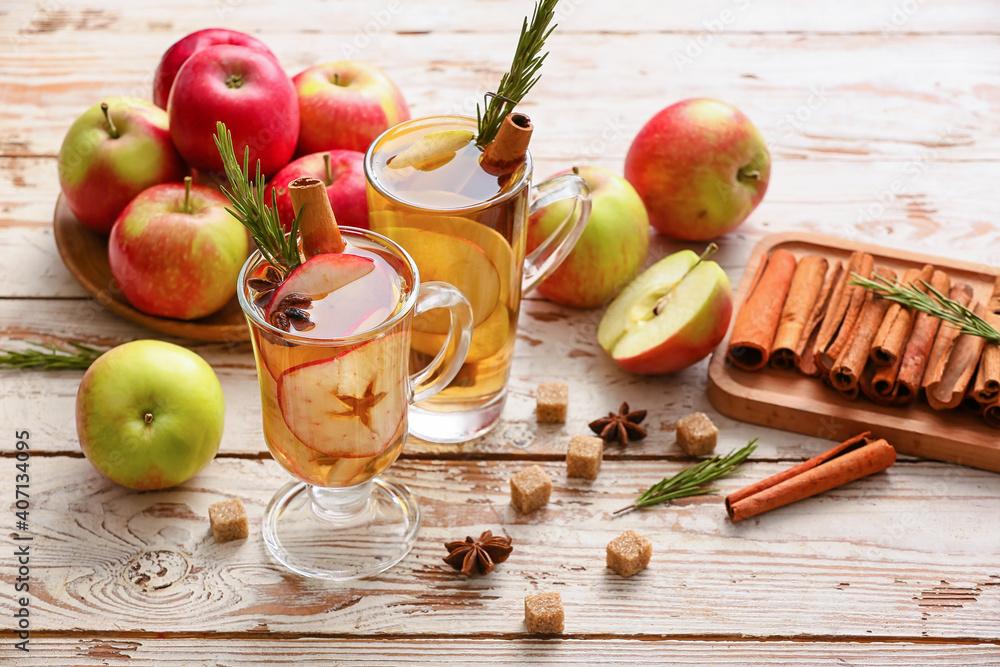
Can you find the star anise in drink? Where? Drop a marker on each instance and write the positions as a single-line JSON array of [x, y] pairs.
[[622, 427], [265, 286], [290, 312], [478, 556]]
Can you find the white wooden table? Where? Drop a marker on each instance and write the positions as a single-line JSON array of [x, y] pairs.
[[882, 117]]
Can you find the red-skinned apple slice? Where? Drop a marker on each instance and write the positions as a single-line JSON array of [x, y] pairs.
[[320, 275], [669, 317], [350, 405]]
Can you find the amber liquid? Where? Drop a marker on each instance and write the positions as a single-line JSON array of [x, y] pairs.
[[463, 227], [335, 410]]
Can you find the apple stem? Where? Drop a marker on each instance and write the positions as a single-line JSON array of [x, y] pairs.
[[576, 171], [187, 194], [336, 79], [111, 123], [327, 170], [753, 174], [662, 303], [148, 418]]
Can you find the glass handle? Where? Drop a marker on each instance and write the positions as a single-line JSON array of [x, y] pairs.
[[544, 259], [445, 365]]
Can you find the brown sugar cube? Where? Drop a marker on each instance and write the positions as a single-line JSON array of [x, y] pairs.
[[629, 553], [696, 434], [229, 520], [583, 456], [543, 613], [530, 489], [551, 400]]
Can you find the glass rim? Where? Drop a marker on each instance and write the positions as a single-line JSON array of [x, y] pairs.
[[250, 311], [478, 206]]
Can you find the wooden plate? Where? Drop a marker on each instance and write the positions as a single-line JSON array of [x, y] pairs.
[[85, 254], [787, 400]]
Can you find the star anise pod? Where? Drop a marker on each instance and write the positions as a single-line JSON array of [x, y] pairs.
[[622, 427], [472, 556], [265, 286]]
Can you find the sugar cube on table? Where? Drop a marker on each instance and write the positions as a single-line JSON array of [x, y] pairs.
[[543, 613], [530, 489], [583, 456], [696, 434], [229, 520], [629, 553], [551, 399]]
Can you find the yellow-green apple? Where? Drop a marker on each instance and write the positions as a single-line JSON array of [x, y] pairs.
[[176, 252], [245, 89], [114, 151], [149, 414], [181, 50], [611, 250], [343, 172], [700, 167], [671, 316], [345, 105]]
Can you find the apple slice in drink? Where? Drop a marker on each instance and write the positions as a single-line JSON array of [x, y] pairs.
[[669, 317], [350, 405], [431, 150], [320, 275], [345, 471]]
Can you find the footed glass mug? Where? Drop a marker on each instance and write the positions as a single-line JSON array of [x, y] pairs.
[[334, 391], [468, 228]]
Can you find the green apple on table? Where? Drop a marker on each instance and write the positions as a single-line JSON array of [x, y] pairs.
[[149, 414], [611, 249], [701, 167], [670, 317]]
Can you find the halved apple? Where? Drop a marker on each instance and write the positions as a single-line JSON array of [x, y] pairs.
[[320, 275], [431, 150], [669, 317], [350, 405]]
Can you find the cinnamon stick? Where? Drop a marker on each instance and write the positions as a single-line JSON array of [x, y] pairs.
[[847, 462], [987, 384], [918, 347], [950, 377], [993, 305], [898, 322], [509, 147], [807, 282], [838, 327], [805, 358], [880, 385], [318, 231], [757, 321], [991, 413], [847, 369], [944, 341]]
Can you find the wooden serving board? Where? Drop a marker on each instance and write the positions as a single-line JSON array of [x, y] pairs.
[[787, 400]]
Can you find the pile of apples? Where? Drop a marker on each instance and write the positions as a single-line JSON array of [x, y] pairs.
[[172, 247]]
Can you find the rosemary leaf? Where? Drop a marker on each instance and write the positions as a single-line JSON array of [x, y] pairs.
[[691, 481], [46, 357]]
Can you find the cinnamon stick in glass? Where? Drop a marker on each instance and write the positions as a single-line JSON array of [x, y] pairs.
[[757, 321], [318, 230], [838, 325], [805, 358], [807, 282], [898, 322], [849, 365], [847, 462], [946, 382], [507, 150], [918, 347]]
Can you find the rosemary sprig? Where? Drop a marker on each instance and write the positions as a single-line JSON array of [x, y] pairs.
[[688, 482], [50, 356], [523, 73], [932, 302], [279, 249]]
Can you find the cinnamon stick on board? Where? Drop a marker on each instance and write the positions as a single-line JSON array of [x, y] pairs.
[[987, 385], [879, 383], [805, 358], [318, 231], [849, 365], [991, 413], [951, 377], [807, 282], [847, 462], [508, 149], [838, 325], [944, 341], [898, 322], [757, 321], [918, 348]]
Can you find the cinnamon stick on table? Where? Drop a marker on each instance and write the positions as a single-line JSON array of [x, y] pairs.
[[918, 347], [898, 322], [757, 321], [847, 369], [842, 315], [945, 384], [807, 283], [805, 358], [847, 462]]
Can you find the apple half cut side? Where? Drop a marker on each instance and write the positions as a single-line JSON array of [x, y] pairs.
[[320, 275], [350, 405], [670, 317]]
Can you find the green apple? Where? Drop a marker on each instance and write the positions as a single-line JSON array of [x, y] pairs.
[[611, 249], [670, 317], [149, 414]]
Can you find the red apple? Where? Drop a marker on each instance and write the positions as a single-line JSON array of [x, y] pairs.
[[178, 54], [245, 89], [670, 317], [611, 249], [175, 254], [344, 175], [346, 105], [701, 167], [114, 151]]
